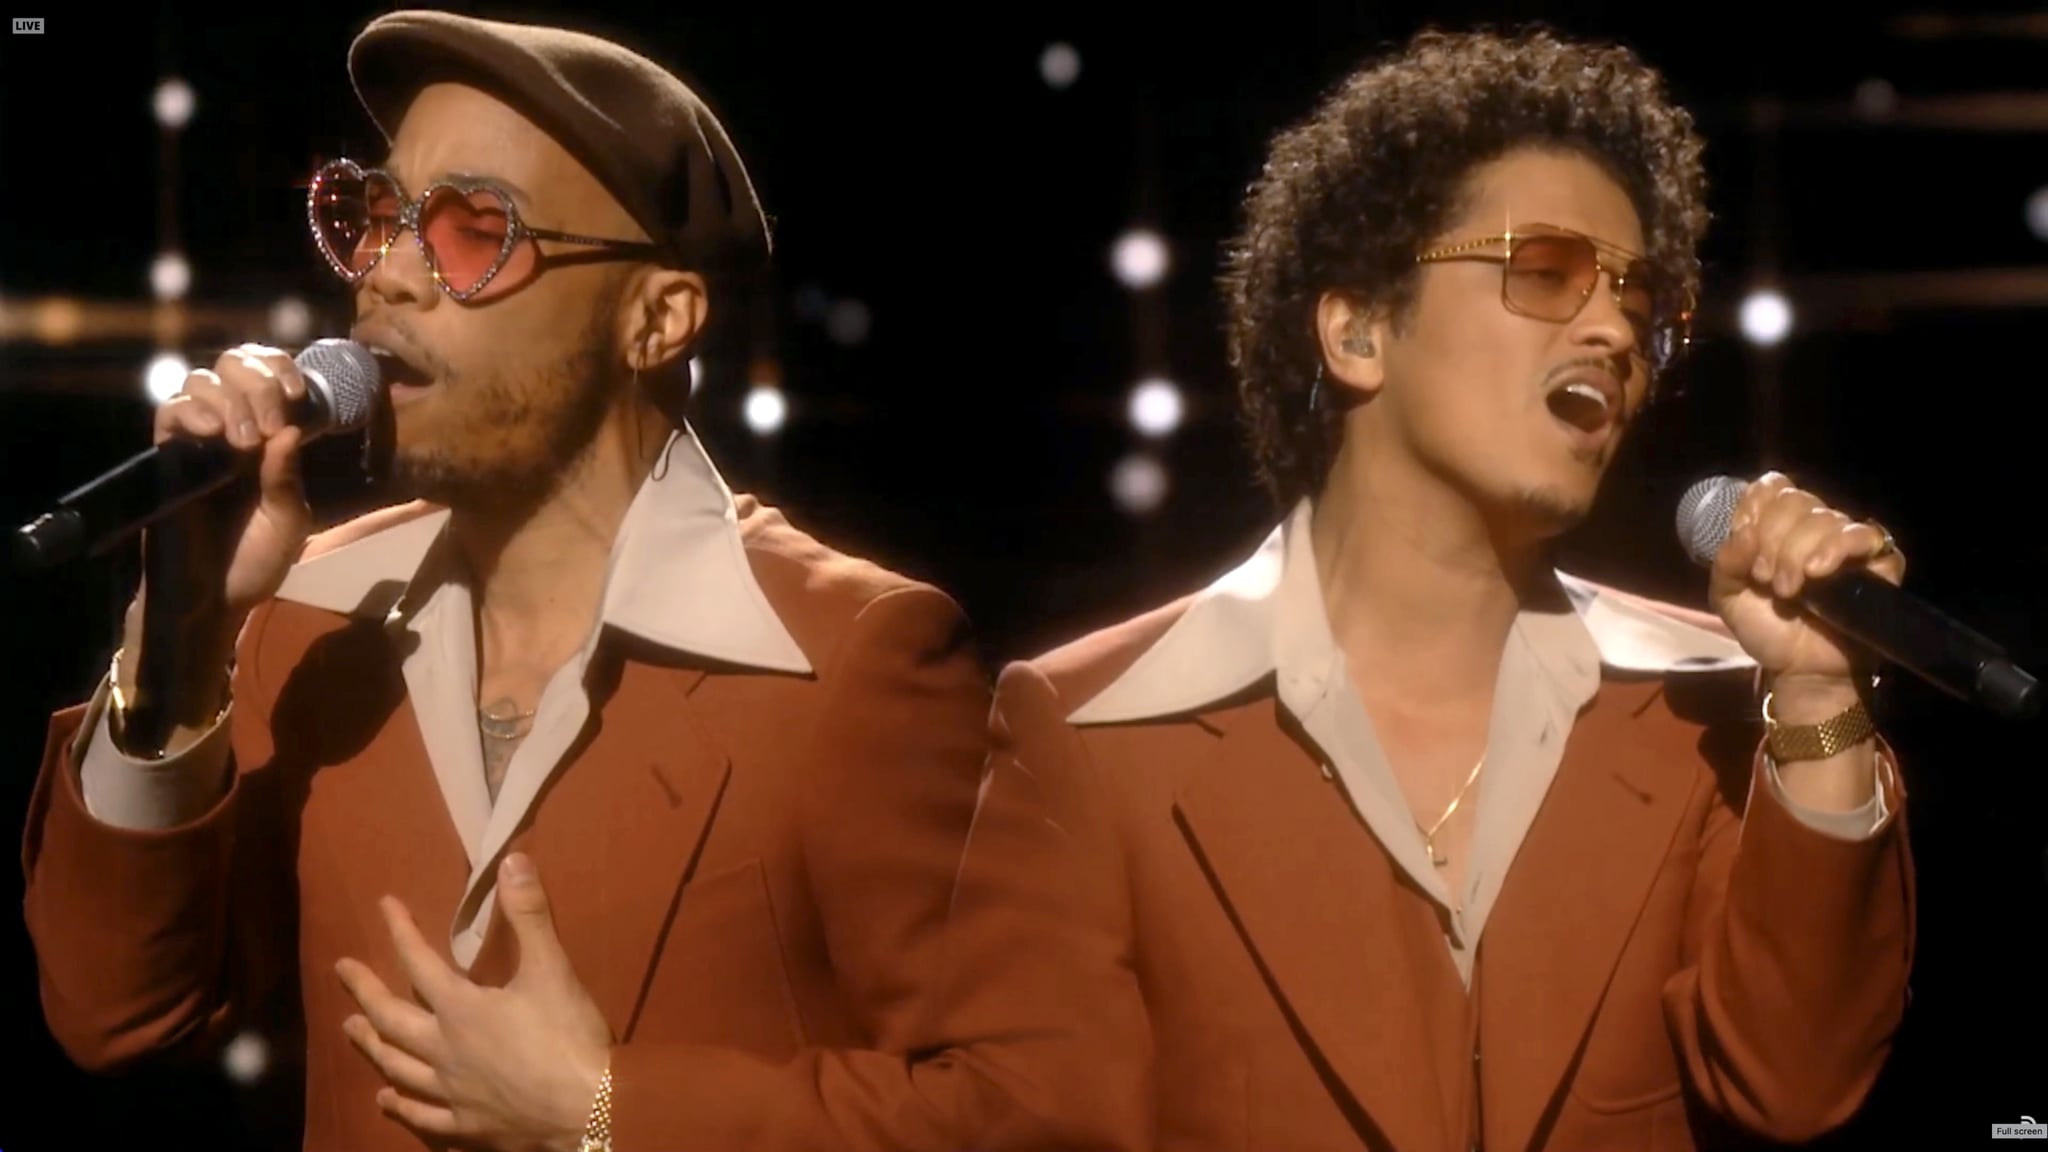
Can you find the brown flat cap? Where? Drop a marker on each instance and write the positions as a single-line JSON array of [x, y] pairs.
[[639, 129]]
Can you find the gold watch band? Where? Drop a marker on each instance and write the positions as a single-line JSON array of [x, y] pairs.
[[1789, 743], [117, 712]]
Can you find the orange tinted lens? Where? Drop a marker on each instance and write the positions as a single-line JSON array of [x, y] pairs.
[[466, 234], [1654, 311], [1642, 295], [1549, 277]]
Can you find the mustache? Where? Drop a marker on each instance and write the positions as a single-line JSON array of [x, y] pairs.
[[1618, 366], [1607, 364], [395, 332]]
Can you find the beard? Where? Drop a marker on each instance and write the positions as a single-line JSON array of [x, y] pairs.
[[1552, 508], [1555, 508], [523, 432], [509, 440]]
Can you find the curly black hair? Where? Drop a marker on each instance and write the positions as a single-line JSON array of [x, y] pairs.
[[1349, 196]]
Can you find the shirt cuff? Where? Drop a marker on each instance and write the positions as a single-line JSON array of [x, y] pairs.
[[148, 795], [1857, 823]]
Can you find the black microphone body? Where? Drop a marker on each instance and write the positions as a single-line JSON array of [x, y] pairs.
[[341, 388], [1880, 616], [1909, 632]]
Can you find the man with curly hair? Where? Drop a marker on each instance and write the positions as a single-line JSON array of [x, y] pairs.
[[1406, 839]]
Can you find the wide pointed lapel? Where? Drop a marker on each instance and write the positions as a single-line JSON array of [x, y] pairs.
[[1328, 918], [617, 831], [1572, 898]]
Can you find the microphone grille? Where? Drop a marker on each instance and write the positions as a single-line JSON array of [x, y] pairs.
[[353, 380], [1705, 513]]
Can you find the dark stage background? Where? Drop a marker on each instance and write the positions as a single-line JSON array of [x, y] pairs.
[[955, 353]]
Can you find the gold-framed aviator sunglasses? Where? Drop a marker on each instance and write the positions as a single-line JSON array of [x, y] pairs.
[[1549, 273]]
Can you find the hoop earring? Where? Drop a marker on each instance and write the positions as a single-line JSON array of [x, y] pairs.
[[661, 462], [1318, 449]]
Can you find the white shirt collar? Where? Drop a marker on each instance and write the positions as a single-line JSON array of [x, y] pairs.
[[678, 576], [1227, 639]]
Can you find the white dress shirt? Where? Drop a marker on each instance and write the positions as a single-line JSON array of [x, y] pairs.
[[1267, 617], [678, 577]]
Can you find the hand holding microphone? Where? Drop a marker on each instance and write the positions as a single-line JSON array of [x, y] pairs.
[[263, 407], [216, 545], [1784, 564], [216, 430], [1779, 539]]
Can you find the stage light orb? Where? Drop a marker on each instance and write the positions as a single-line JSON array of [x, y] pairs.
[[1875, 99], [1140, 258], [1766, 317], [174, 103], [165, 376], [170, 276], [246, 1058], [1156, 408], [2037, 214], [766, 410], [1059, 66], [1138, 484], [291, 321], [848, 322]]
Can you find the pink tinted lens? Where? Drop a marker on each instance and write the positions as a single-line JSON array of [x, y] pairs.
[[466, 234], [354, 217]]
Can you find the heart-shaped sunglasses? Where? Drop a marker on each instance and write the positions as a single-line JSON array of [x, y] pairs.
[[468, 230]]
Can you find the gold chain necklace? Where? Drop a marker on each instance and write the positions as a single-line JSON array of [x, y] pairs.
[[1429, 833], [503, 720]]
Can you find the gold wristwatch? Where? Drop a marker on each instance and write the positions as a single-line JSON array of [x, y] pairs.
[[119, 711], [1789, 743]]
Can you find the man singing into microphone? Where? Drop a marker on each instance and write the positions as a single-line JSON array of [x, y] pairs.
[[1410, 841], [582, 804]]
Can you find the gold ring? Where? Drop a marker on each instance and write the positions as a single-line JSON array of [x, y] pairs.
[[1889, 545]]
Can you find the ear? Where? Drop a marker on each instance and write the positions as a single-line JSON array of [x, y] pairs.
[[660, 317], [1352, 341]]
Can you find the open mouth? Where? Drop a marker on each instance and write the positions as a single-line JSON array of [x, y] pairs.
[[1584, 406], [400, 377]]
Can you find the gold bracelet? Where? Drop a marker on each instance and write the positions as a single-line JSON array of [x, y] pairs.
[[117, 710], [597, 1133], [1789, 743]]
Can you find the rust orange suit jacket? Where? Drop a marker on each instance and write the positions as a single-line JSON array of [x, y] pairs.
[[758, 876], [1658, 968]]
